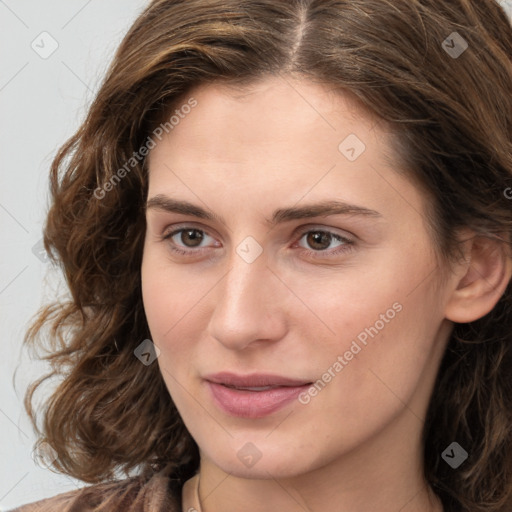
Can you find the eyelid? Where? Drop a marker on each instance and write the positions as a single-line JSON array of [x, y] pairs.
[[347, 244], [168, 234], [182, 226], [299, 231], [349, 237], [347, 241]]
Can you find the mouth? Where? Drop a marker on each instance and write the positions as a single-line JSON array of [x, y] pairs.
[[255, 380], [254, 388], [253, 396]]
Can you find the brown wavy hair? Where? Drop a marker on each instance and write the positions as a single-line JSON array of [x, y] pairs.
[[452, 125]]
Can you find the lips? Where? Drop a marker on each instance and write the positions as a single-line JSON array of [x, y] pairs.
[[254, 380], [253, 396]]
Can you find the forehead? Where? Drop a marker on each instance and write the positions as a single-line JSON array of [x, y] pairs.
[[278, 136], [273, 119]]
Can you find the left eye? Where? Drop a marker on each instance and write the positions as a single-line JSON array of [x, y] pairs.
[[321, 240]]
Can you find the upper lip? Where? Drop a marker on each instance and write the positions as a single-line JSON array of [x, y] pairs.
[[253, 380]]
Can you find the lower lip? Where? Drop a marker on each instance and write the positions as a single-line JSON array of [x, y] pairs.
[[253, 404]]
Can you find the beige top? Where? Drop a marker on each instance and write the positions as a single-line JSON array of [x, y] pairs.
[[129, 495]]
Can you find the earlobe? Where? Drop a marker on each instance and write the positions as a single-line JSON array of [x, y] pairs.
[[480, 280]]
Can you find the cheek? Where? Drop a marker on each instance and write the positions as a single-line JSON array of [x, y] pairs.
[[163, 309], [168, 296], [170, 305], [395, 359], [156, 298], [383, 340], [163, 316], [348, 307]]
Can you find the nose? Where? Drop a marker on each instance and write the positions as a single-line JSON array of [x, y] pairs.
[[251, 305]]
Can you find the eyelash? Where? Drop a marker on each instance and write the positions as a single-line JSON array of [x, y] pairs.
[[347, 246]]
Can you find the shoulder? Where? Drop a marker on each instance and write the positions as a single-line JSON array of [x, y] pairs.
[[156, 494], [61, 503]]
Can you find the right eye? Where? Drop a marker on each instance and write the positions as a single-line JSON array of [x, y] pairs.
[[188, 238]]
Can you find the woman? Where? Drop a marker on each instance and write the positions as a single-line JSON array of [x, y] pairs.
[[285, 227]]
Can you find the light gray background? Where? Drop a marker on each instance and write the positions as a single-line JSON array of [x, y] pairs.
[[42, 102]]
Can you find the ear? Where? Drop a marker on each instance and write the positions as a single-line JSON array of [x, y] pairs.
[[480, 280]]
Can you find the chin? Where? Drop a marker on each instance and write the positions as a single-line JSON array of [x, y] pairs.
[[241, 460], [262, 470]]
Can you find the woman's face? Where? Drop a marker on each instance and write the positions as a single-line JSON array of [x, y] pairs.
[[332, 315]]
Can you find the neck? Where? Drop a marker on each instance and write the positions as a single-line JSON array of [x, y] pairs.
[[286, 497]]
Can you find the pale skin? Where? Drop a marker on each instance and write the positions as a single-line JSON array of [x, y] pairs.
[[356, 445]]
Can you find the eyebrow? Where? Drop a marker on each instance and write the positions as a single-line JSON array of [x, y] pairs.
[[164, 203]]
